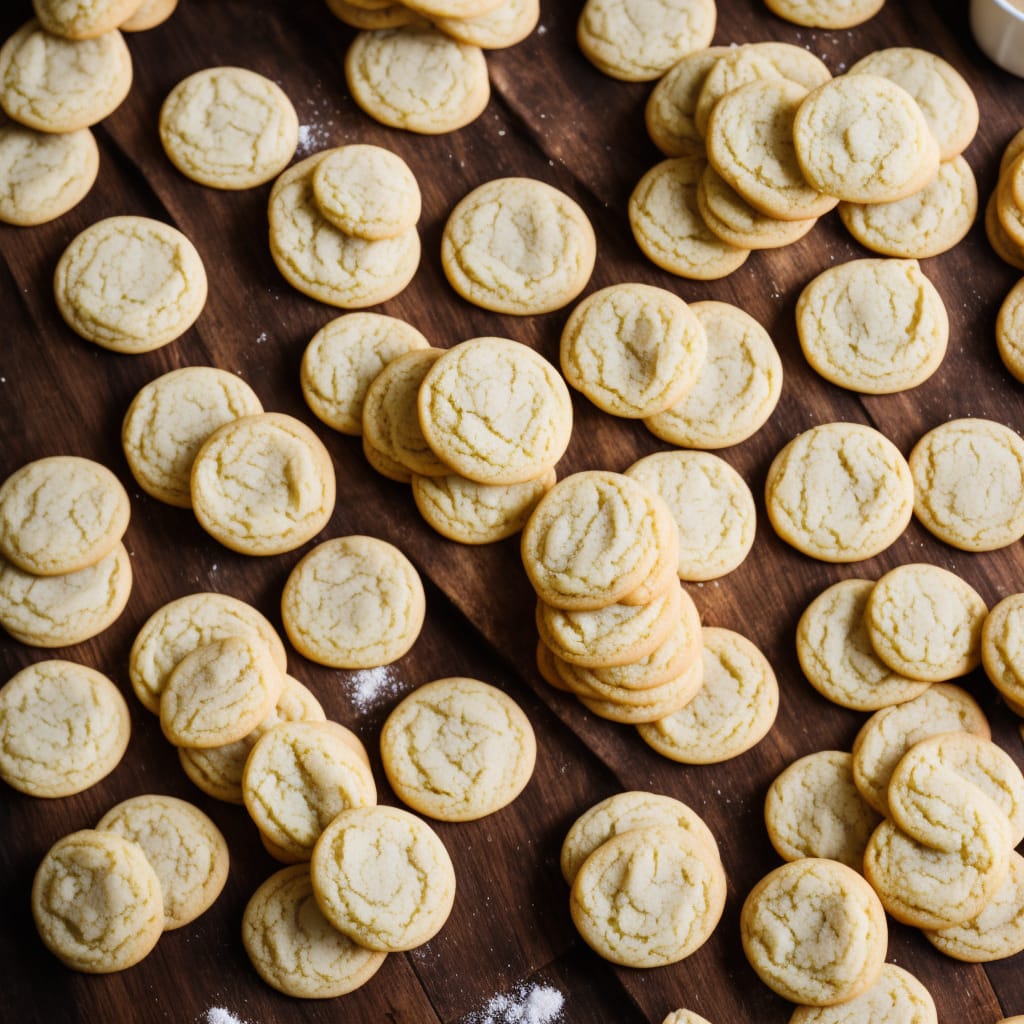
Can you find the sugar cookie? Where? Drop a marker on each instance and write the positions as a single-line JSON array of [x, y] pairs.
[[130, 284], [1003, 246], [149, 14], [640, 707], [505, 25], [685, 1017], [391, 15], [1010, 331], [263, 484], [384, 464], [518, 246], [73, 19], [1002, 648], [452, 8], [829, 14], [896, 995], [793, 61], [740, 66], [353, 602], [671, 107]]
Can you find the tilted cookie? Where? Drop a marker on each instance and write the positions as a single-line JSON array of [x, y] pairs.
[[518, 246], [685, 1017], [505, 25], [1010, 331], [73, 19], [130, 284], [671, 107], [185, 848], [896, 995], [740, 66], [830, 14], [1002, 649], [149, 14], [63, 727], [390, 15], [353, 602]]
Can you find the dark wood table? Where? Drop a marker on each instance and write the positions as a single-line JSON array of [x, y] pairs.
[[554, 117]]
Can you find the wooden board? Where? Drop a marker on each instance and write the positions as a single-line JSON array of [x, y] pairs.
[[554, 117]]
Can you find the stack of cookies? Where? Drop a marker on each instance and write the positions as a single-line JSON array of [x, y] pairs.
[[1004, 214]]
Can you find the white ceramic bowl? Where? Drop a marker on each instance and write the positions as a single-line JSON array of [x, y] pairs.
[[998, 27]]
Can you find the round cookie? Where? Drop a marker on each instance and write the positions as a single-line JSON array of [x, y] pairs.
[[507, 24], [324, 263], [149, 14], [229, 128], [875, 326], [73, 19], [732, 711], [927, 223], [1010, 331], [862, 138], [457, 749], [383, 877], [925, 622], [840, 492], [711, 505], [59, 611], [130, 284], [828, 14], [63, 727], [836, 655], [896, 996], [969, 484], [54, 84], [673, 884], [736, 390], [1002, 648], [740, 66], [671, 107], [184, 847], [622, 812], [263, 484], [667, 225], [60, 514], [367, 191], [639, 40], [518, 246], [179, 627], [170, 418], [417, 78], [43, 175], [342, 359], [793, 61], [814, 809], [353, 602], [293, 947], [815, 932], [96, 902], [632, 349], [495, 411]]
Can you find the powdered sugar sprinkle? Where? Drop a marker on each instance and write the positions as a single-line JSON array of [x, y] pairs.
[[526, 1004], [371, 686], [220, 1015]]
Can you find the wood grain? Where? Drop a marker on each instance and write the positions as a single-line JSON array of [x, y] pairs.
[[551, 116]]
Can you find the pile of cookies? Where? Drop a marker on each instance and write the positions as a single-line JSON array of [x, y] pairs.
[[1002, 208]]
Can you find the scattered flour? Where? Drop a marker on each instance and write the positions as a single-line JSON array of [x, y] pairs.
[[220, 1015], [527, 1004], [370, 686], [311, 138]]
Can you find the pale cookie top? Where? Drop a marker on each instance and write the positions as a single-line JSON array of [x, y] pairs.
[[622, 812], [59, 85], [179, 627], [367, 191], [325, 263], [1002, 647], [43, 175], [185, 848], [830, 14], [171, 417], [737, 388], [447, 8], [927, 223], [219, 692], [632, 349], [672, 105], [815, 932], [711, 505], [797, 63], [863, 138], [505, 25], [591, 539], [471, 513], [342, 359], [925, 622], [639, 40], [353, 602], [896, 996], [61, 513], [732, 711], [739, 66], [1010, 331], [298, 776], [949, 106], [813, 809], [668, 227], [228, 128], [63, 727], [672, 888], [130, 284], [969, 484], [496, 411], [519, 246], [837, 657], [889, 733], [685, 1017], [750, 143], [840, 492], [263, 484], [149, 14], [292, 945], [996, 932], [383, 877], [82, 19], [58, 611], [873, 325], [96, 902], [457, 749], [417, 78]]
